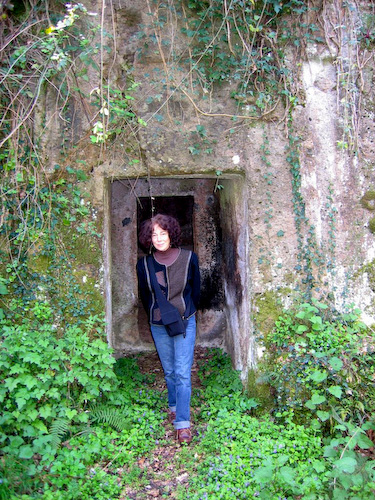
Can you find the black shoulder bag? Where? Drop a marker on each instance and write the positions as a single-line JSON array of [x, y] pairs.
[[170, 315]]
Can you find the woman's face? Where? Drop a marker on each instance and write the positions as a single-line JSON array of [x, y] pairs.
[[160, 238]]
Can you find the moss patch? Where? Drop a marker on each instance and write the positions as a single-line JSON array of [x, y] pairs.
[[269, 306], [259, 390], [369, 269], [90, 290], [39, 263], [85, 247], [368, 200]]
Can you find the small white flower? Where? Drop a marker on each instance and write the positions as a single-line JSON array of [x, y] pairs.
[[236, 159]]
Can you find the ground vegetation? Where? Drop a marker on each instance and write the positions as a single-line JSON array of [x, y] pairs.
[[76, 423]]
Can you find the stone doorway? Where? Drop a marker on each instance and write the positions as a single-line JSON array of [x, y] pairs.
[[213, 226]]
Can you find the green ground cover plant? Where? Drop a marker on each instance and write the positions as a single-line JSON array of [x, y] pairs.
[[76, 422], [319, 364], [245, 455], [70, 414], [288, 454]]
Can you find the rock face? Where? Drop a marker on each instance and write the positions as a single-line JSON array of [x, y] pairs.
[[275, 197]]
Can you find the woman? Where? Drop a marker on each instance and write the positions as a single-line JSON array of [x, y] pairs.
[[177, 273]]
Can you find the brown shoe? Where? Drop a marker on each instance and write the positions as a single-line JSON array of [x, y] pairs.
[[171, 416], [184, 436]]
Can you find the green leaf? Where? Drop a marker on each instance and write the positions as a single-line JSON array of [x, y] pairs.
[[310, 405], [32, 414], [335, 390], [83, 417], [21, 402], [281, 460], [323, 415], [341, 427], [29, 381], [321, 305], [11, 383], [29, 431], [38, 424], [15, 441], [201, 130], [346, 464], [318, 399], [318, 376], [319, 466], [70, 413], [364, 442], [315, 424], [370, 468], [288, 474], [263, 474], [316, 322], [301, 328], [26, 452], [320, 354], [31, 357], [336, 363]]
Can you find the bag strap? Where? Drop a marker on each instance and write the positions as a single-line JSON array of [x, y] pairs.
[[162, 301]]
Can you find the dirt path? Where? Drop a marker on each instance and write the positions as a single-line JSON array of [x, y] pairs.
[[163, 472]]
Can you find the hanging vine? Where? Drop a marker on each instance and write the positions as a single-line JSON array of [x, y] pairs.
[[50, 77], [230, 42]]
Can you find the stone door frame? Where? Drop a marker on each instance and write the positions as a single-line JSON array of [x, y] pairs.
[[229, 327]]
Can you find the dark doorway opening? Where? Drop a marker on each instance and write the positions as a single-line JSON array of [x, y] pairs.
[[180, 207]]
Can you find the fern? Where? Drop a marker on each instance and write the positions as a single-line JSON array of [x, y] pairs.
[[115, 417], [59, 429]]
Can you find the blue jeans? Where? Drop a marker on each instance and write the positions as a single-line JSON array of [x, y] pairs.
[[176, 355]]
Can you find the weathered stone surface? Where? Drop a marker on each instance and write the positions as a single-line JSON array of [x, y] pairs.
[[262, 236]]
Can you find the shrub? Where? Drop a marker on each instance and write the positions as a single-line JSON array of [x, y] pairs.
[[48, 382], [273, 457], [73, 417], [319, 364]]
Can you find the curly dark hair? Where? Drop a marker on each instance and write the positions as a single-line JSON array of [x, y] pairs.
[[166, 222]]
